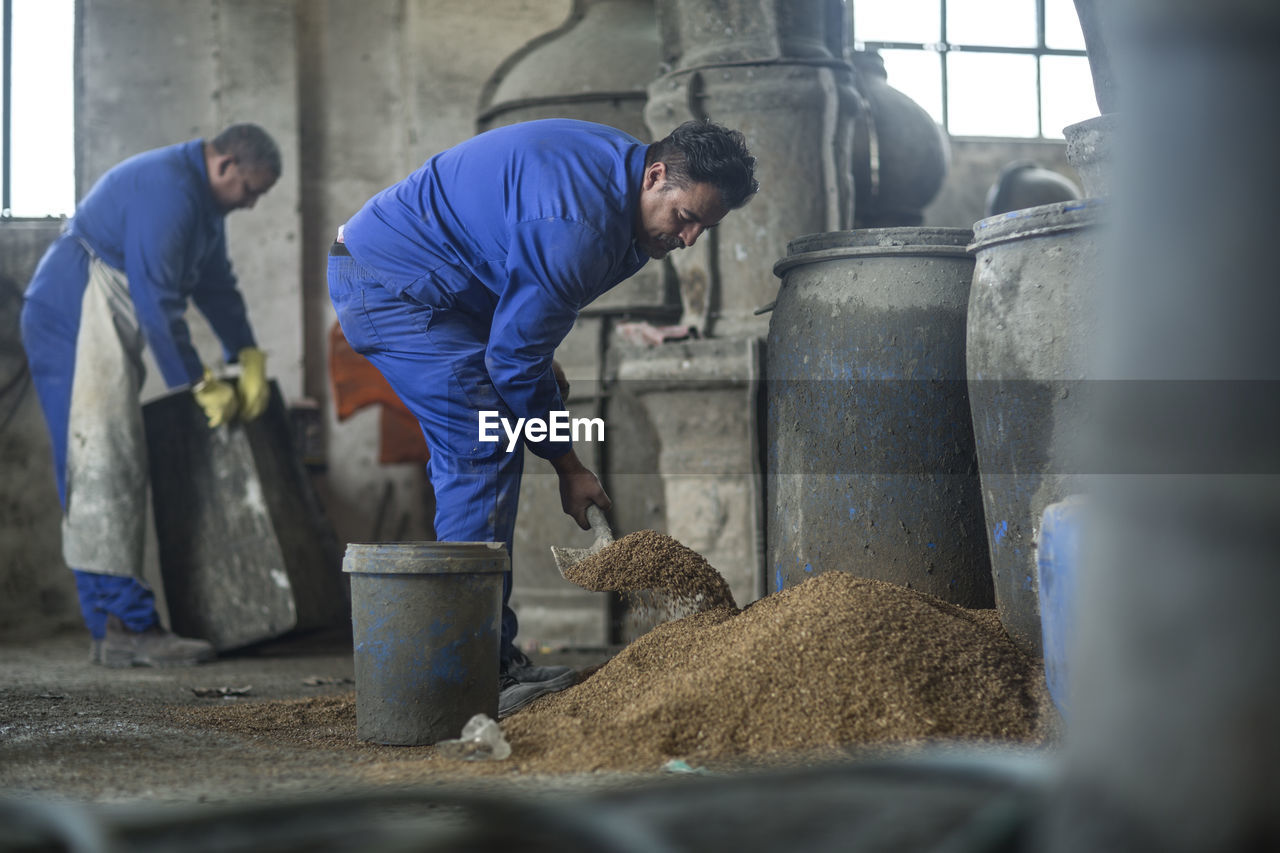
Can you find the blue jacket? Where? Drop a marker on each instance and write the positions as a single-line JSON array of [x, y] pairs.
[[521, 227], [154, 218]]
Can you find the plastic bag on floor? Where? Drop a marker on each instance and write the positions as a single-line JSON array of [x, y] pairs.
[[482, 740]]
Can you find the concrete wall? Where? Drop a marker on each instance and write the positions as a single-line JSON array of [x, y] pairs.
[[37, 593]]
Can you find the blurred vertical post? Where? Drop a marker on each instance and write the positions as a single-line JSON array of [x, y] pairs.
[[1175, 738]]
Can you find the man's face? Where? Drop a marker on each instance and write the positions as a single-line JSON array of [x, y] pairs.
[[236, 187], [672, 217]]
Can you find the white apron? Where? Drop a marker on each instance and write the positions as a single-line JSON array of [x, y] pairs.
[[104, 527]]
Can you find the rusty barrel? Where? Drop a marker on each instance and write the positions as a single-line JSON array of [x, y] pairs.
[[870, 465], [1030, 335]]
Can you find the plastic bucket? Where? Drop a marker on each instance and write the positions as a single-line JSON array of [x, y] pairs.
[[426, 621]]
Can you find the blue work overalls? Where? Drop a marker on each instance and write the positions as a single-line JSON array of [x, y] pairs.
[[148, 237], [459, 282]]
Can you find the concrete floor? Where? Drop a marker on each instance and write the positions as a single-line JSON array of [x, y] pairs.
[[93, 758], [95, 741]]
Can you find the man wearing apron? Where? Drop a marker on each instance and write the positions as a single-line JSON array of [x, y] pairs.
[[147, 238], [459, 282]]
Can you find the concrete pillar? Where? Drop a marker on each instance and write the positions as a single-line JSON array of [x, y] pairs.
[[1173, 745], [774, 70]]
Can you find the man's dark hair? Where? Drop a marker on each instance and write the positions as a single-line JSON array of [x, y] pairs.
[[701, 151], [252, 147]]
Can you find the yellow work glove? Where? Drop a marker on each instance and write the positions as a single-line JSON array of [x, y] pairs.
[[254, 391], [217, 398]]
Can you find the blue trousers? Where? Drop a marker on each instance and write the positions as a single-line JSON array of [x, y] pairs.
[[127, 598], [434, 360]]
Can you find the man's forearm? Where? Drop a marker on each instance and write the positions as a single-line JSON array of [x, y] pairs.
[[568, 464]]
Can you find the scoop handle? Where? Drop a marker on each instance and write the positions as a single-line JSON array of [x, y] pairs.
[[599, 526]]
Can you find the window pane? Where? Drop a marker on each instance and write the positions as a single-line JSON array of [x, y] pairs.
[[912, 21], [918, 75], [1062, 26], [991, 94], [43, 159], [1067, 89], [997, 23]]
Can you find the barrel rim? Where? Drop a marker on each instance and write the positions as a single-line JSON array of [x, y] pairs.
[[1053, 218], [876, 242], [383, 558]]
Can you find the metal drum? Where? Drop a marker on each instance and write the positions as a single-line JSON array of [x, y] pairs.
[[1030, 324], [871, 466]]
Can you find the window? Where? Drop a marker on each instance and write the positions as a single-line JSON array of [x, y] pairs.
[[983, 67], [37, 154]]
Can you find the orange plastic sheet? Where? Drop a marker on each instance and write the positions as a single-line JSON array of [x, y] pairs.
[[357, 384]]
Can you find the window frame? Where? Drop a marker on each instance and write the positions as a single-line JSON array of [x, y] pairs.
[[943, 47], [6, 112]]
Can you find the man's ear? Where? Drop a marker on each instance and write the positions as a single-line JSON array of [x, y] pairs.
[[225, 162], [654, 174]]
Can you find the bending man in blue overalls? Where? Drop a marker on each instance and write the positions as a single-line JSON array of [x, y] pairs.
[[459, 282], [148, 237]]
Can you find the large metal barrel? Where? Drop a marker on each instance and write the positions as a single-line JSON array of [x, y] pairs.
[[871, 466], [1089, 151], [1030, 325]]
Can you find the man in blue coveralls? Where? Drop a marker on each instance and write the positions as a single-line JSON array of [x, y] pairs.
[[148, 237], [459, 282]]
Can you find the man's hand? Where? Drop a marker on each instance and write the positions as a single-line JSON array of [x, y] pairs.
[[579, 488], [254, 391], [217, 398], [561, 379]]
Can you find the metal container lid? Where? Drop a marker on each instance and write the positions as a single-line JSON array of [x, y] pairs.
[[424, 558], [1037, 221], [870, 242]]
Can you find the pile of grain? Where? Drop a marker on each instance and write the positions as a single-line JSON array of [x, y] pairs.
[[650, 561], [833, 662]]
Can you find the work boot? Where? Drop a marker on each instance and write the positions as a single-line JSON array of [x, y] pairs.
[[153, 647], [514, 695], [523, 670]]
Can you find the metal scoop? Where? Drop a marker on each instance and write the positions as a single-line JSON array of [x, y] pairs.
[[567, 558]]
